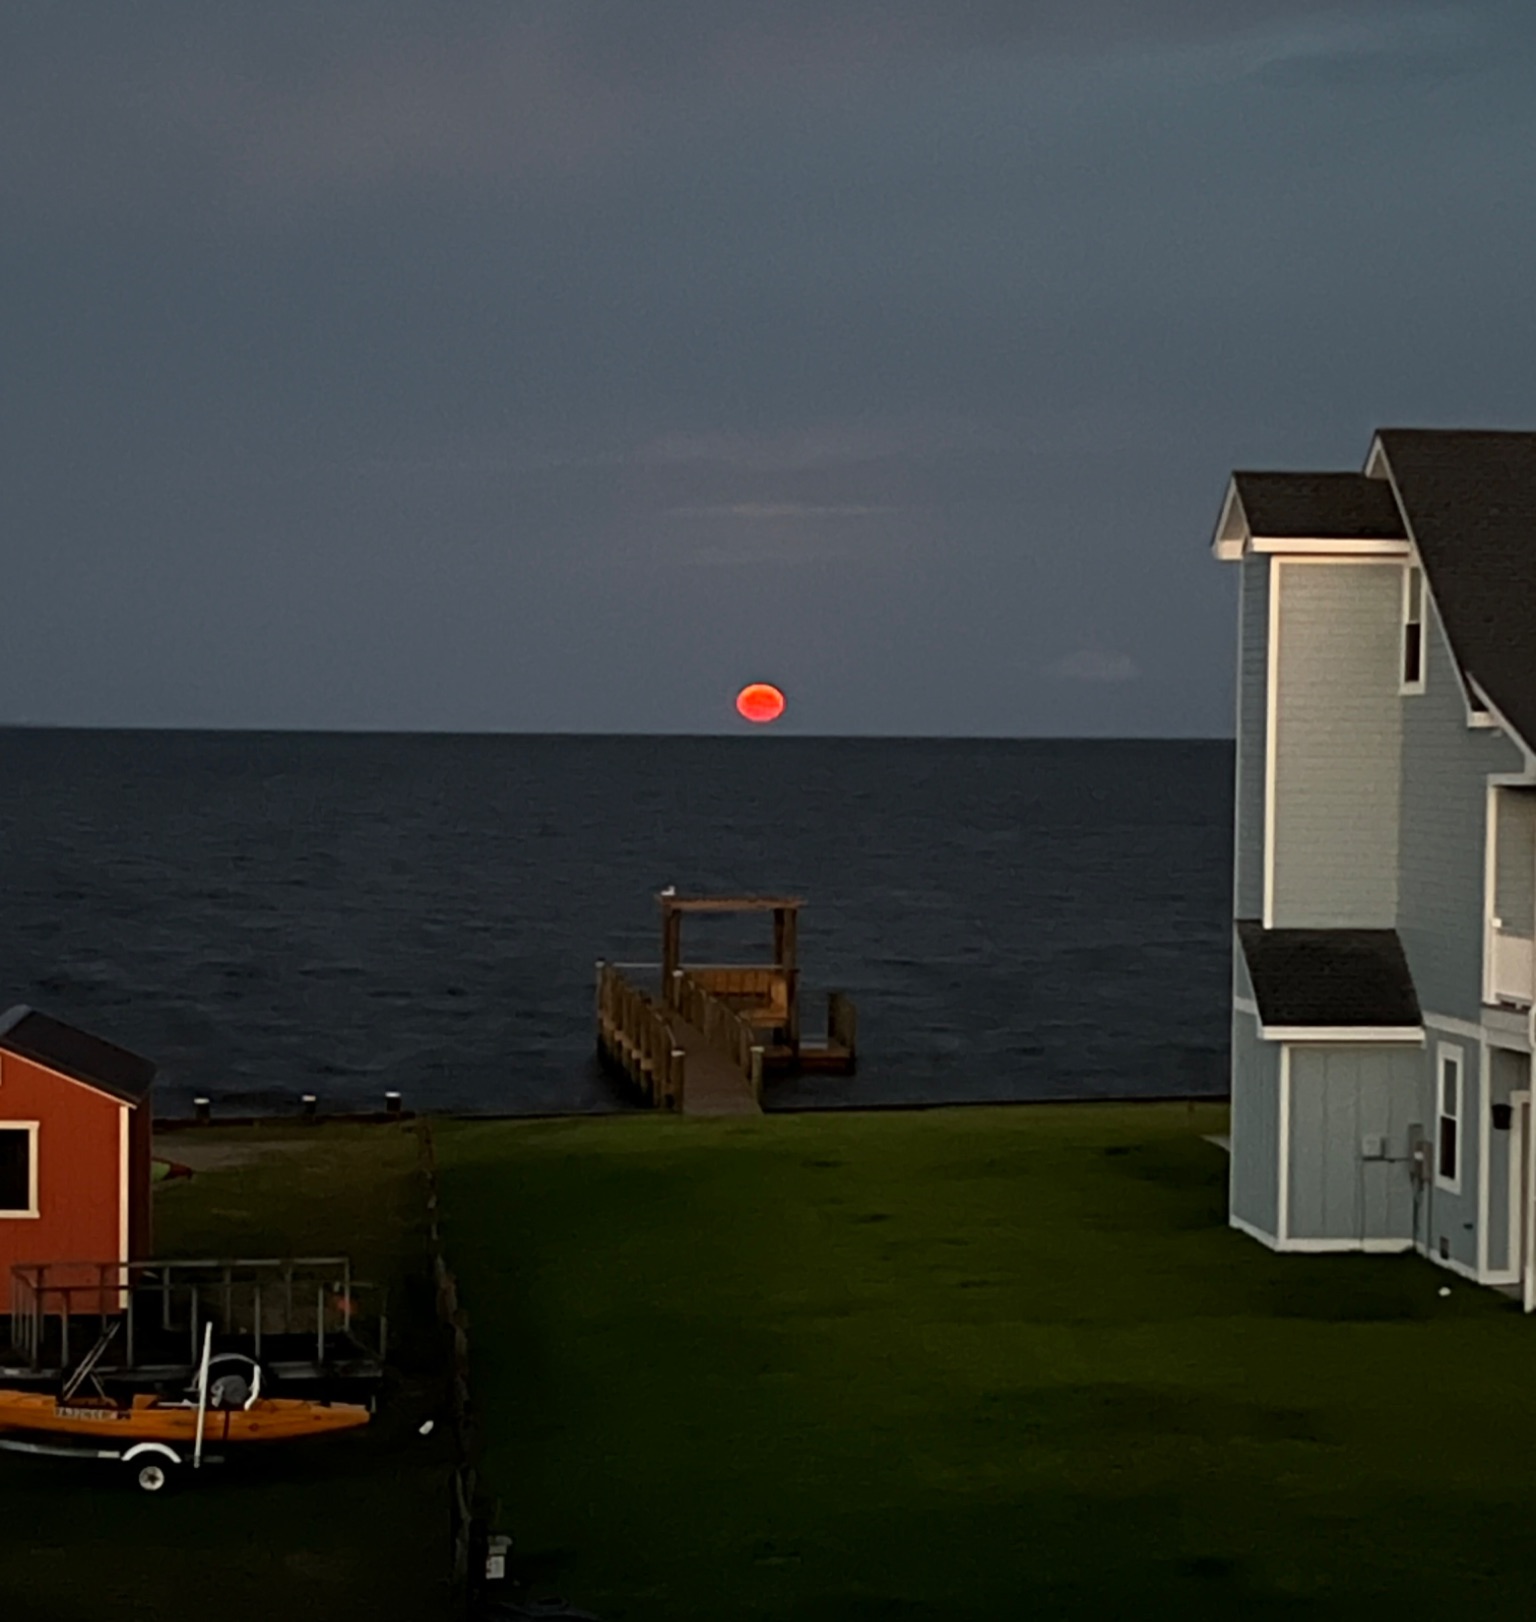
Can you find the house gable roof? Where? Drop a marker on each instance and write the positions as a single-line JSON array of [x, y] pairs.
[[1319, 506], [76, 1054], [1332, 978], [1470, 500]]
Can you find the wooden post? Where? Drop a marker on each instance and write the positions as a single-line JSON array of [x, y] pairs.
[[601, 1000], [671, 945], [679, 1059], [788, 964], [756, 1074]]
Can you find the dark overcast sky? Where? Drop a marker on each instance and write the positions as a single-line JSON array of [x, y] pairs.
[[562, 366]]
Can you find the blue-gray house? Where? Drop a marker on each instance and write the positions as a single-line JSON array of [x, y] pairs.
[[1385, 873]]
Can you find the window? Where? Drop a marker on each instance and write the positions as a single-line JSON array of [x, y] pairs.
[[1413, 629], [1448, 1128], [18, 1169]]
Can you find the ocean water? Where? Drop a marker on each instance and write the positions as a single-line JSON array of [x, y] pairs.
[[270, 914]]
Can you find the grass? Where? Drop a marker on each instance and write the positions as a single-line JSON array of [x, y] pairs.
[[351, 1527], [969, 1364]]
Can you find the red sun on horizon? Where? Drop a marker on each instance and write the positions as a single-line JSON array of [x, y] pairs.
[[760, 702]]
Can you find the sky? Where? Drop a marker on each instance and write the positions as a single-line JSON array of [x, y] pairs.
[[562, 366]]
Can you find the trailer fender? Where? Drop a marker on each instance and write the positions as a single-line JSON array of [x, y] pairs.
[[163, 1449]]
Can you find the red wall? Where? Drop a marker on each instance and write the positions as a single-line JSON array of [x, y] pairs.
[[78, 1149]]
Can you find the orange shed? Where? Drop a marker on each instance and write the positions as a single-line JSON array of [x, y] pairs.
[[75, 1127]]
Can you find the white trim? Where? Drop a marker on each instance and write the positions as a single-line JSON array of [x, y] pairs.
[[1230, 549], [1271, 720], [1318, 1247], [1268, 1240], [1330, 550], [1471, 689], [1343, 1033], [1245, 1005], [1449, 1051], [90, 1087], [34, 1174], [1514, 1139], [1528, 1215], [1408, 688], [1490, 882], [1283, 1190], [1484, 1131], [1452, 1265], [1454, 1027], [122, 1183], [1503, 721]]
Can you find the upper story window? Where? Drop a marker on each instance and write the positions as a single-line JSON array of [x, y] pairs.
[[1413, 629], [1448, 1126]]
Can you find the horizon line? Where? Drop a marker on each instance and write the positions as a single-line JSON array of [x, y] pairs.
[[740, 732]]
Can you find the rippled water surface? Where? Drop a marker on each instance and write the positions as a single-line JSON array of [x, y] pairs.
[[271, 914]]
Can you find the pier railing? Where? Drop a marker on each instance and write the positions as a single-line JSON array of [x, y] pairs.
[[723, 1028], [633, 1034]]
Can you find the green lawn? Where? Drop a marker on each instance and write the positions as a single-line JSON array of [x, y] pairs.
[[354, 1526], [970, 1364]]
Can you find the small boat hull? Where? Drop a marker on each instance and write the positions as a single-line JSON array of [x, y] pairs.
[[268, 1419]]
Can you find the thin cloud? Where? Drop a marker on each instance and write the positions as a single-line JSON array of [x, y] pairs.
[[1095, 665], [788, 511]]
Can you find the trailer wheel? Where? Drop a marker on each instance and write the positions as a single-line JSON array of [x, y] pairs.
[[152, 1477]]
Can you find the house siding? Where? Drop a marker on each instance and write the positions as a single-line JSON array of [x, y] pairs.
[[1338, 1097], [1443, 834], [1508, 1073], [1514, 887], [1252, 735], [1337, 746], [1255, 1176]]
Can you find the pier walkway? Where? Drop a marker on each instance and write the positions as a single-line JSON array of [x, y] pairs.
[[698, 1037]]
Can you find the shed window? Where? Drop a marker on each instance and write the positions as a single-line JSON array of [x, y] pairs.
[[1413, 629], [15, 1170], [1448, 1134]]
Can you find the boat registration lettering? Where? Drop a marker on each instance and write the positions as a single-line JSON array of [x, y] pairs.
[[105, 1415]]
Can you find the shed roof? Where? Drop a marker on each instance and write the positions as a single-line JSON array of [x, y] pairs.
[[1321, 506], [1470, 499], [1329, 977], [76, 1054]]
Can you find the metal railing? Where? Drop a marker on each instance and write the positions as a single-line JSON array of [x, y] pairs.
[[254, 1299]]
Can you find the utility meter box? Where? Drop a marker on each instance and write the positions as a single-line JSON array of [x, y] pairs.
[[1373, 1146], [497, 1547]]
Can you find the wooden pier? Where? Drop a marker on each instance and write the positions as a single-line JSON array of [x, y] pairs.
[[700, 1038]]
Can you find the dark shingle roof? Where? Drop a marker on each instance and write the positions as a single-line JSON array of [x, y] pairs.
[[76, 1053], [1324, 506], [1329, 976], [1470, 497]]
